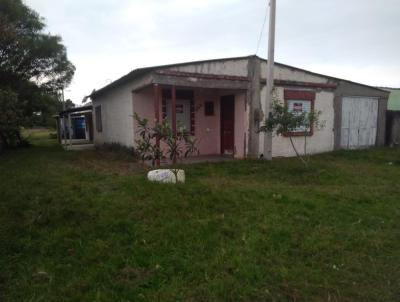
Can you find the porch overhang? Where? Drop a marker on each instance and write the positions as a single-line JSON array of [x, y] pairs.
[[76, 110], [194, 80]]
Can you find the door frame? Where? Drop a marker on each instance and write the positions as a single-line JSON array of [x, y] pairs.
[[358, 146], [222, 150]]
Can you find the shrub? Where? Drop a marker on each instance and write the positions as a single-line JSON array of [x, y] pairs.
[[10, 121]]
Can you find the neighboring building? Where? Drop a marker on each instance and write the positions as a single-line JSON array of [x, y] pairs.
[[393, 117], [221, 103], [75, 124], [394, 99]]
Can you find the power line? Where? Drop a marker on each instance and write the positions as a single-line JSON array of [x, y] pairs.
[[262, 30]]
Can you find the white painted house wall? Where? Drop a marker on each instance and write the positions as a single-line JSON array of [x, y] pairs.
[[117, 121], [117, 106], [321, 140], [282, 72], [229, 67]]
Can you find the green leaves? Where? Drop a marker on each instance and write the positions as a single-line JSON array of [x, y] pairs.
[[27, 53], [285, 122], [10, 119], [177, 146], [33, 66]]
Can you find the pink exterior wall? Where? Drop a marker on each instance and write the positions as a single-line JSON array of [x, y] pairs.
[[143, 105], [207, 128]]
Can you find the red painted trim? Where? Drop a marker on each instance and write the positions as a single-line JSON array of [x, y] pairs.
[[157, 102], [192, 117], [202, 75], [222, 151], [173, 115], [164, 108], [300, 95], [157, 95], [173, 109], [245, 79]]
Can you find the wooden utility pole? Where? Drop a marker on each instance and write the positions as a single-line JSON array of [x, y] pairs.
[[270, 77]]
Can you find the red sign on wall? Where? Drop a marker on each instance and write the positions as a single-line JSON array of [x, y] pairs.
[[298, 107]]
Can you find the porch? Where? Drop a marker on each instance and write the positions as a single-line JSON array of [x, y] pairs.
[[213, 110], [75, 128]]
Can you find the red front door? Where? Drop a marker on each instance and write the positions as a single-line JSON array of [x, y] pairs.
[[228, 124]]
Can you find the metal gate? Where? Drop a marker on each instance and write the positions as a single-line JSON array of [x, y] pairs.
[[359, 122]]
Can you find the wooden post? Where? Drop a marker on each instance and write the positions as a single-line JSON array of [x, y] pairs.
[[58, 129], [70, 129], [157, 113], [157, 102], [173, 115], [63, 137]]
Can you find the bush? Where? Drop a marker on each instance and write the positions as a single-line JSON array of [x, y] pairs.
[[10, 121]]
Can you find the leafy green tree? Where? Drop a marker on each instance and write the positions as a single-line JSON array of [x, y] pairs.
[[10, 119], [33, 66], [27, 52], [282, 121], [69, 104], [177, 146]]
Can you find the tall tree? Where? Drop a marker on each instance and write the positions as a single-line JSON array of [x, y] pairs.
[[33, 66], [27, 52]]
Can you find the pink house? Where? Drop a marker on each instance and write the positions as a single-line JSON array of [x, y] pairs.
[[220, 103]]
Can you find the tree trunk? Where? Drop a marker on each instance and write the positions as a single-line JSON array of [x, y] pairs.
[[297, 153]]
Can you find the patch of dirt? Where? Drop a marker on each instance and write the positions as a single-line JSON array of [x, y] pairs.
[[106, 162]]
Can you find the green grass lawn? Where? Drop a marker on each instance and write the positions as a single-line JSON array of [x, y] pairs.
[[87, 226]]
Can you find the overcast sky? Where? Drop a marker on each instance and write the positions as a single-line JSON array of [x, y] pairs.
[[357, 40]]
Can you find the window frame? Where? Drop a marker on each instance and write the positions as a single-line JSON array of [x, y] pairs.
[[300, 95], [182, 94]]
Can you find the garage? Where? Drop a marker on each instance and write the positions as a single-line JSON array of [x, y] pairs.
[[359, 122]]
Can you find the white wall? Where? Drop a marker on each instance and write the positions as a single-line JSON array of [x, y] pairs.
[[321, 141], [117, 120], [229, 67], [117, 108], [290, 74]]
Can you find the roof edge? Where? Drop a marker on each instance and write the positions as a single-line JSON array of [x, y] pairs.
[[325, 76], [144, 70]]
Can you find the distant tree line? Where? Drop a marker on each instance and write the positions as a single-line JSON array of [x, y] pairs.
[[33, 69]]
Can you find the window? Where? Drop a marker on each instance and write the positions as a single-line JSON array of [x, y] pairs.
[[99, 125], [182, 113], [298, 102], [209, 108], [185, 114]]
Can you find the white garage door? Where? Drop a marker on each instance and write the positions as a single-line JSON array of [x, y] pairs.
[[359, 121]]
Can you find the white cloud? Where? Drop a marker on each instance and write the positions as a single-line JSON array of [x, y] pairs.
[[357, 39]]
